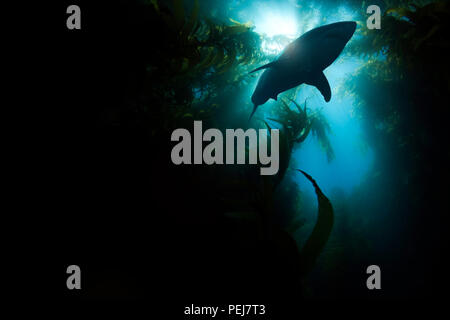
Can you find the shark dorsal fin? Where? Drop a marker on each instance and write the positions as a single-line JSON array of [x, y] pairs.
[[320, 82], [271, 64]]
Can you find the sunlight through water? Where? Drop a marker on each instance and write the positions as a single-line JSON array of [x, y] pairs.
[[279, 24]]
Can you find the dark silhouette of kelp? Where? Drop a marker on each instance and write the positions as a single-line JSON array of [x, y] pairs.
[[321, 232], [194, 74], [196, 67]]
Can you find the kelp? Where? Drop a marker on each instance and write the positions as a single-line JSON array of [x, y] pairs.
[[206, 60], [299, 124], [199, 59], [321, 232], [410, 36], [407, 61], [194, 74], [320, 129], [285, 150]]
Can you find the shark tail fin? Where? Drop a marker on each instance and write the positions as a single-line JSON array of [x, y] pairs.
[[253, 112], [271, 64]]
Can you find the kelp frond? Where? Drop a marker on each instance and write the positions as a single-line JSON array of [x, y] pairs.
[[320, 129], [299, 124]]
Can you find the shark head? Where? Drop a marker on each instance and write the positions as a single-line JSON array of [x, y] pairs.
[[324, 44], [342, 31]]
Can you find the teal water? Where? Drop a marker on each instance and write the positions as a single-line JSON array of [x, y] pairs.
[[353, 157]]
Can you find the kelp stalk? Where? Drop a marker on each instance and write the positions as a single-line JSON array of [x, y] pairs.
[[321, 232]]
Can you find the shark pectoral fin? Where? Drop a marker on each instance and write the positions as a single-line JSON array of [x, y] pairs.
[[271, 64], [321, 83]]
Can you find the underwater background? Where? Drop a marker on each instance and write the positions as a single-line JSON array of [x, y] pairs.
[[378, 152]]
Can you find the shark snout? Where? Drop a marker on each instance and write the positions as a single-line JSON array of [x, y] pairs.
[[348, 29], [341, 30]]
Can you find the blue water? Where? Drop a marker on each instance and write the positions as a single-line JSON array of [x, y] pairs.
[[353, 158]]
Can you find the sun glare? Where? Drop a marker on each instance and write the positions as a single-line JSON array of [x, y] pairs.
[[272, 22]]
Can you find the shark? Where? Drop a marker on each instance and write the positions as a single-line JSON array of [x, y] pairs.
[[303, 61]]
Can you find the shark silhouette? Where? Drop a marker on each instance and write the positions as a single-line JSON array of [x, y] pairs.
[[303, 61]]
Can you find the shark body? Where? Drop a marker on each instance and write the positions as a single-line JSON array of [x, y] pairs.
[[303, 61]]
